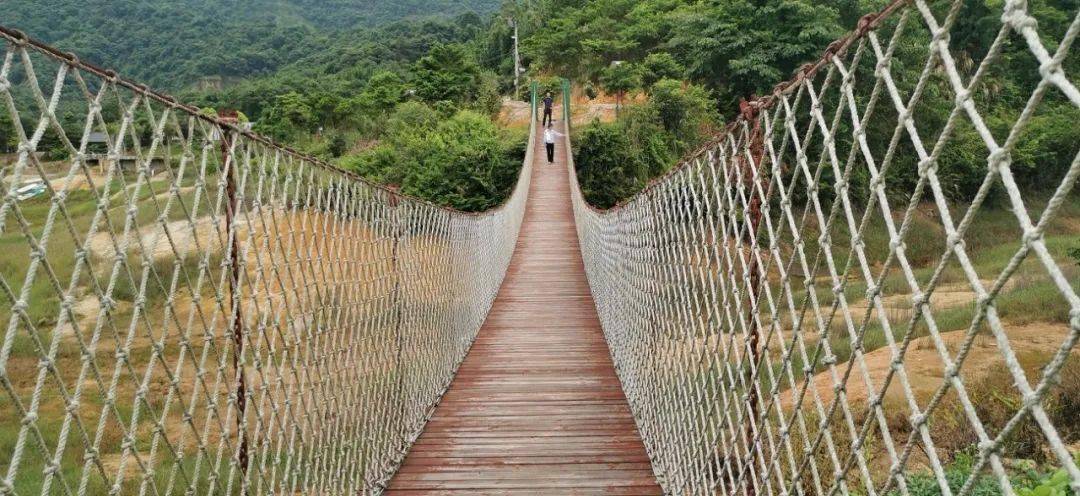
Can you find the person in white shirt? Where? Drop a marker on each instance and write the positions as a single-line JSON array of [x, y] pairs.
[[550, 135]]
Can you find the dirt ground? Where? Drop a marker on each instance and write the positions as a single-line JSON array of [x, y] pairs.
[[925, 369], [516, 113]]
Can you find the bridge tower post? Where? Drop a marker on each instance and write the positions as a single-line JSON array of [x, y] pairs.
[[758, 185], [228, 168]]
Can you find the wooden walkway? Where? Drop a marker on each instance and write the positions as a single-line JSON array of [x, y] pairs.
[[536, 407]]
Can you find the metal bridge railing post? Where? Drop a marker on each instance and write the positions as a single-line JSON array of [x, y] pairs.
[[228, 168], [750, 172]]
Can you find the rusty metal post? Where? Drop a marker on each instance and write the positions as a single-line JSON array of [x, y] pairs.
[[750, 113], [229, 169]]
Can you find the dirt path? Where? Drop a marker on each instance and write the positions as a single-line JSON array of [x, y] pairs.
[[516, 114]]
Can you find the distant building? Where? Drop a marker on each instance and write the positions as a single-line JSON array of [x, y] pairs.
[[97, 137], [211, 83]]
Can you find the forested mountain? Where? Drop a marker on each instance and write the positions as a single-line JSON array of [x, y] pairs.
[[341, 71], [176, 43], [329, 78]]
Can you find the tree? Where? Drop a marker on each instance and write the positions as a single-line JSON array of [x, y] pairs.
[[382, 93], [289, 114], [8, 141], [465, 164], [412, 116], [681, 108], [743, 47], [620, 78], [658, 66], [447, 73]]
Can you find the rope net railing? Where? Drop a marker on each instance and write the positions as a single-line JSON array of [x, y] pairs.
[[809, 305], [190, 308]]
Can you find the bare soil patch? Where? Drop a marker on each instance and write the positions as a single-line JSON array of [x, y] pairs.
[[926, 370]]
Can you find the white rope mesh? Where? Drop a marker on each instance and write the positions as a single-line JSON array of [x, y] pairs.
[[192, 309], [727, 288]]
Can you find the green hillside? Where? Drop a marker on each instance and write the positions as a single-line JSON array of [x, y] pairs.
[[174, 44]]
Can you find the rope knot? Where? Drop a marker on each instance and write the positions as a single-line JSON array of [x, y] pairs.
[[918, 419], [988, 446], [29, 419], [1050, 68], [834, 48], [21, 39], [1015, 14], [1032, 235], [780, 88], [749, 109], [867, 23]]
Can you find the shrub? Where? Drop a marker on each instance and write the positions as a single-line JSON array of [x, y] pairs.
[[1054, 484], [590, 91], [997, 401], [337, 145], [464, 161], [608, 163]]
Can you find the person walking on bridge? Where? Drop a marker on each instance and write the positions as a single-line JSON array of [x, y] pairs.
[[549, 101], [550, 135]]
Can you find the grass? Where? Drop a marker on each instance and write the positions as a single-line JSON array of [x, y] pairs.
[[44, 309], [1029, 298], [314, 340], [991, 242]]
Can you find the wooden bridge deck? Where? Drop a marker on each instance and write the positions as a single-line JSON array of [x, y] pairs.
[[536, 407]]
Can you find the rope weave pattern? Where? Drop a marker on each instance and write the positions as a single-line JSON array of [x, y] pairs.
[[724, 288], [198, 310]]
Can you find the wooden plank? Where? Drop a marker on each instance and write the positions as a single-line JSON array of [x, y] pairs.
[[536, 407], [610, 491]]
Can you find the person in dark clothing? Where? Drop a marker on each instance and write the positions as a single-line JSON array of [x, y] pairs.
[[548, 102]]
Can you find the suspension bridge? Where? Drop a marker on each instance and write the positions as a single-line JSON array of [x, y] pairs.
[[232, 316]]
